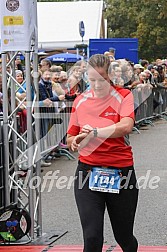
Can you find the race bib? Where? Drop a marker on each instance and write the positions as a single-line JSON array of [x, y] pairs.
[[105, 180]]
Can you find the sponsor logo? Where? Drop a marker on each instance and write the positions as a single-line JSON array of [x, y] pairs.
[[108, 113], [12, 5]]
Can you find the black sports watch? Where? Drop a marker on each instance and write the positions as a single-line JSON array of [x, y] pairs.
[[95, 133]]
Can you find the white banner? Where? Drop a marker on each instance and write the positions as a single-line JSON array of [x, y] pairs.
[[19, 25]]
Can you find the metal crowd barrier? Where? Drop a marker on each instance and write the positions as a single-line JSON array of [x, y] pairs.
[[149, 103], [53, 128], [54, 124], [161, 97]]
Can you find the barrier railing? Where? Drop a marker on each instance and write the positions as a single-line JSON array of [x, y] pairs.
[[149, 103], [54, 126]]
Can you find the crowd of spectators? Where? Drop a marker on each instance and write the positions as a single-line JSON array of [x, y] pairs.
[[141, 77], [57, 86]]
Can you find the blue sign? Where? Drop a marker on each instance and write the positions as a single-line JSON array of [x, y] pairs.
[[81, 29], [65, 57]]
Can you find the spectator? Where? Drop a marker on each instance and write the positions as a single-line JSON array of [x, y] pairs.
[[142, 78], [56, 87], [73, 88], [110, 55], [149, 76], [63, 79], [19, 76], [18, 65], [118, 80], [144, 63], [156, 76], [127, 75], [165, 81], [151, 68], [21, 94], [161, 73], [45, 88], [73, 83], [45, 64], [137, 70], [57, 90], [84, 78]]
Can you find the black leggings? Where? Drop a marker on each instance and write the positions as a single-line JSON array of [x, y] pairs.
[[121, 209]]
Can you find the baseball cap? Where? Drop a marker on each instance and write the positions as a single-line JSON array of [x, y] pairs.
[[136, 66]]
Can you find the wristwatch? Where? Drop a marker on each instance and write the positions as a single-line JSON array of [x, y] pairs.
[[95, 133]]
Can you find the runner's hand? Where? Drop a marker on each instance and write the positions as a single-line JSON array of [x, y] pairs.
[[87, 129], [80, 141]]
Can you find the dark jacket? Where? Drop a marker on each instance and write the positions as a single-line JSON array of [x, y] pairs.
[[45, 91]]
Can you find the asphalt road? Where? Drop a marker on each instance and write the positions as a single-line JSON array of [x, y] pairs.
[[150, 154]]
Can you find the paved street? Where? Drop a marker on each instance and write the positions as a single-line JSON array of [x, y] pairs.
[[150, 148]]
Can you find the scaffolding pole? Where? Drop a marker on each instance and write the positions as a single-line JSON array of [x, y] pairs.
[[23, 143], [37, 134]]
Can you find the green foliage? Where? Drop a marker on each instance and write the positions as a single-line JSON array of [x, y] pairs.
[[142, 19]]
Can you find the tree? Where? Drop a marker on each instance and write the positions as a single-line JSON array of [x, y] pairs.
[[144, 19]]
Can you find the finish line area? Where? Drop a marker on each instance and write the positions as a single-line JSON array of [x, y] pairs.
[[75, 248]]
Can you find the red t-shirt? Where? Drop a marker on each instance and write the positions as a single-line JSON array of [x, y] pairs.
[[103, 112]]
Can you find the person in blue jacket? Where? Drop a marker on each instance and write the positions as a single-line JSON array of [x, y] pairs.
[[45, 88]]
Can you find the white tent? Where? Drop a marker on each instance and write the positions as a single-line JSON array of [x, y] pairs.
[[58, 23]]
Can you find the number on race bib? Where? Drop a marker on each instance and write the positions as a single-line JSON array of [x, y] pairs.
[[112, 181], [104, 180]]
